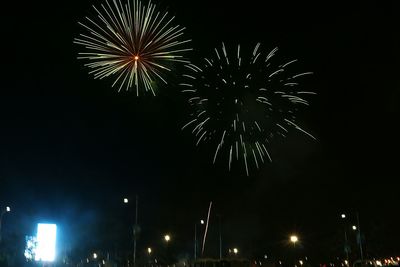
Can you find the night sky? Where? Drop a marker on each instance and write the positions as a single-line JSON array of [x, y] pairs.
[[72, 147]]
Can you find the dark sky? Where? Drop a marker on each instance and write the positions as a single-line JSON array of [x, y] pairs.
[[71, 147]]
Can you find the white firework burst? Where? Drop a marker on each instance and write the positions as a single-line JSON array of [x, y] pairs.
[[134, 43], [240, 103]]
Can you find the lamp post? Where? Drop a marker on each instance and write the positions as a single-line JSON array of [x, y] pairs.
[[135, 228], [346, 248], [3, 211], [149, 251], [195, 238], [167, 239], [294, 239]]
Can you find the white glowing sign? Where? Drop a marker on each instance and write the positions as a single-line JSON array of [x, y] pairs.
[[46, 242]]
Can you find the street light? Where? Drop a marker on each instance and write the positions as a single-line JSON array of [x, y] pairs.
[[94, 255], [235, 251], [3, 211], [149, 250], [167, 238], [294, 239], [135, 228], [346, 248], [354, 227]]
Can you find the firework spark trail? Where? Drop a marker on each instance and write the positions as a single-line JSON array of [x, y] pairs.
[[133, 42], [206, 230], [239, 101]]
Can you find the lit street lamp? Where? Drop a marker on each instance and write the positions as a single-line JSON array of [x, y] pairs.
[[149, 251], [135, 228], [3, 211], [167, 238], [294, 239], [233, 251], [346, 246], [354, 227]]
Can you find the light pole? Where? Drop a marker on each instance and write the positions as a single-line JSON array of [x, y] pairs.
[[195, 238], [294, 239], [346, 248], [135, 228], [167, 239], [3, 211], [149, 251]]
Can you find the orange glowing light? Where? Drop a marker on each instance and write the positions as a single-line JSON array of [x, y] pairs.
[[136, 58]]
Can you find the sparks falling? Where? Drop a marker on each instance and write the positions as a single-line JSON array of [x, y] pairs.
[[133, 43], [241, 102]]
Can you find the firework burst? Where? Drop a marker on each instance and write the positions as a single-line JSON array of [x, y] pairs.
[[132, 42], [240, 103]]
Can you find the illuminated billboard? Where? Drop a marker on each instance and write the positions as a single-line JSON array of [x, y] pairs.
[[46, 242]]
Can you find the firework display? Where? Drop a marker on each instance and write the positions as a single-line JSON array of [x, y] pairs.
[[239, 103], [133, 43]]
